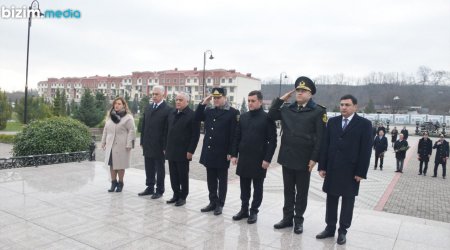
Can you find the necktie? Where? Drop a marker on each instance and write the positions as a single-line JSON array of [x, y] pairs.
[[154, 105], [345, 124]]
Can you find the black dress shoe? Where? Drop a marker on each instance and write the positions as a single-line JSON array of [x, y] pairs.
[[283, 224], [341, 239], [147, 191], [208, 208], [180, 202], [433, 176], [156, 196], [298, 228], [114, 184], [172, 200], [325, 234], [241, 215], [119, 187], [218, 210], [420, 173], [252, 218]]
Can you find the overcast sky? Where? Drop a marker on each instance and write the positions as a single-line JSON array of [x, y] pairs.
[[264, 38]]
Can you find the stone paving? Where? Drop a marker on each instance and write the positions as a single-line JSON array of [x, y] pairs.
[[66, 206]]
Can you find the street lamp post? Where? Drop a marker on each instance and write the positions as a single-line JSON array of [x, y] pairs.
[[281, 78], [204, 70], [34, 5]]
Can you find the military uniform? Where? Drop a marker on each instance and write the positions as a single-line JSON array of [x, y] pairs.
[[303, 127], [220, 125], [442, 152]]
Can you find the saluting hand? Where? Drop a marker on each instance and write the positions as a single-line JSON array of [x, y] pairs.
[[265, 165], [189, 156], [311, 165], [286, 96], [207, 100]]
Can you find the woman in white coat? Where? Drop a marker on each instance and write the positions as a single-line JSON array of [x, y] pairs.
[[117, 141]]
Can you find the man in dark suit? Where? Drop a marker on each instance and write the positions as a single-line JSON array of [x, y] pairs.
[[380, 145], [153, 142], [303, 124], [220, 125], [442, 153], [182, 138], [400, 148], [344, 162], [253, 148], [424, 151], [405, 133]]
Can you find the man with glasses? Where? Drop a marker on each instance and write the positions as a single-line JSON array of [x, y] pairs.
[[344, 162], [220, 124], [153, 142], [303, 124], [442, 152]]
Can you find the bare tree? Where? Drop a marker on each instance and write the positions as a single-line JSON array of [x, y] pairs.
[[424, 74]]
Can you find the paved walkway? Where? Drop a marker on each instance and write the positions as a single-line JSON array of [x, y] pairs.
[[67, 207]]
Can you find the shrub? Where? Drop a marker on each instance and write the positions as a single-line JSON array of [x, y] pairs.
[[52, 135]]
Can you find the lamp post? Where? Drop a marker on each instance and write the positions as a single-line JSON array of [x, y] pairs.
[[204, 70], [34, 5], [281, 78], [395, 103]]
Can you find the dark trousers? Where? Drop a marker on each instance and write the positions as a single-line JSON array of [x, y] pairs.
[[400, 164], [425, 168], [217, 179], [179, 178], [155, 168], [436, 165], [345, 218], [246, 184], [296, 186], [381, 157]]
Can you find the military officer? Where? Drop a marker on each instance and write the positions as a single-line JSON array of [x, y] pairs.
[[220, 125], [303, 124], [442, 152]]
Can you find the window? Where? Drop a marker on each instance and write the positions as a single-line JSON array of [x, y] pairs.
[[174, 80], [188, 80], [195, 80], [196, 89], [149, 80], [230, 80], [156, 80], [231, 98], [209, 80], [231, 89], [223, 80], [169, 89], [139, 80], [167, 80]]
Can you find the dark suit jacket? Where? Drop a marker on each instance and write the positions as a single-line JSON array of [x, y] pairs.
[[255, 142], [442, 151], [380, 145], [183, 134], [345, 154], [220, 126], [425, 149], [401, 146], [154, 130]]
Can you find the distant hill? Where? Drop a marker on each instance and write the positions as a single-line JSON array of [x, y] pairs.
[[435, 98]]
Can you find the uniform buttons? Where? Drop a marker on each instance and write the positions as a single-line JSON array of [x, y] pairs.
[[212, 128], [214, 120], [210, 138], [209, 146]]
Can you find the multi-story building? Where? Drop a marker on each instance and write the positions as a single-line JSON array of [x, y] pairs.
[[139, 84]]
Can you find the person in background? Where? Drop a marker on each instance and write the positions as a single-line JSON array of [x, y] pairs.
[[400, 148], [380, 146], [442, 152], [424, 151], [394, 134], [405, 133], [117, 141]]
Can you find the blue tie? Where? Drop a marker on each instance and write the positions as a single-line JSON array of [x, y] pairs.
[[345, 124]]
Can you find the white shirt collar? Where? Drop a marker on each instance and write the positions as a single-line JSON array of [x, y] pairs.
[[349, 118]]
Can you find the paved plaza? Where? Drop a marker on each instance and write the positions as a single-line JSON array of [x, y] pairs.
[[66, 206]]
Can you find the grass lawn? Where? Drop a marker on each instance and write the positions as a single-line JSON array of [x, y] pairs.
[[13, 126]]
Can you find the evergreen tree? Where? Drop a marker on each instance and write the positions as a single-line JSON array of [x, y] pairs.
[[64, 104], [38, 109], [5, 110], [89, 111], [370, 108], [244, 106], [134, 106], [56, 109]]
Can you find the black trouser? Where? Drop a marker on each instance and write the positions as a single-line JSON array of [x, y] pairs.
[[179, 178], [246, 184], [400, 164], [217, 179], [296, 186], [381, 157], [345, 218], [425, 168], [436, 165], [155, 167]]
